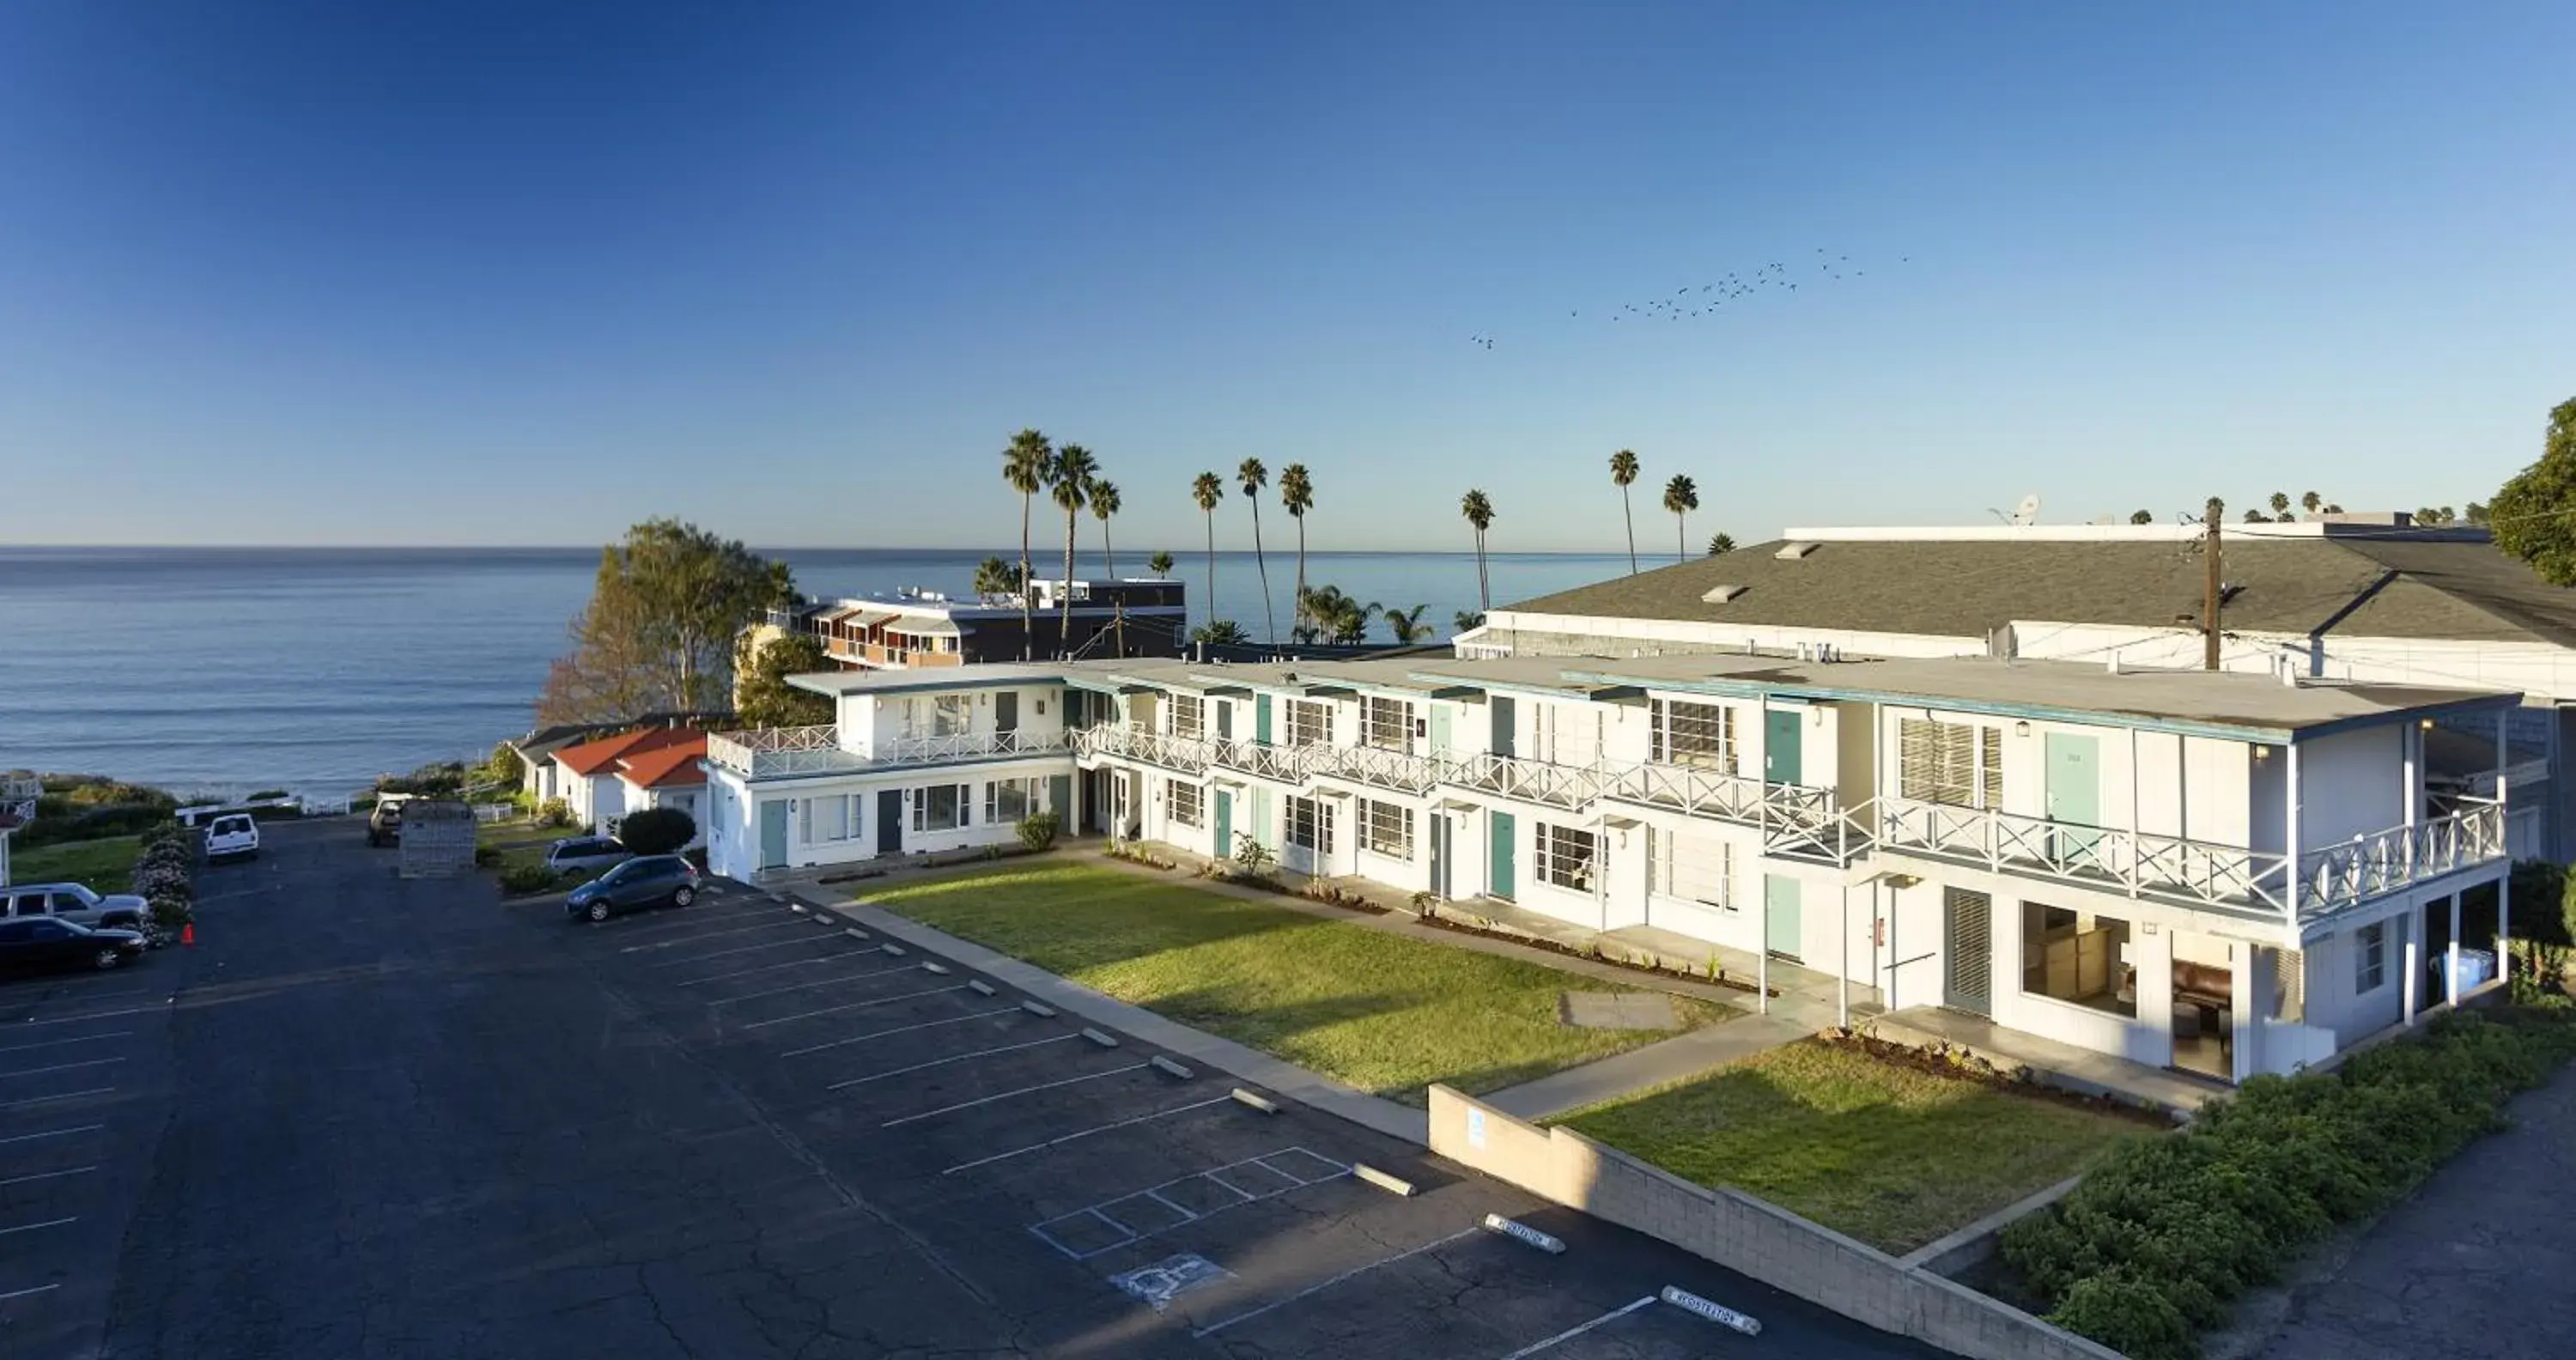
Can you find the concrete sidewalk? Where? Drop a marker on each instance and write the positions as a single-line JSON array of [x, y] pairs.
[[1676, 1059]]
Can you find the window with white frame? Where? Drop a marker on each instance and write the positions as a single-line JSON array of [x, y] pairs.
[[1189, 715], [1010, 800], [1693, 868], [1386, 829], [2370, 958], [832, 817], [1310, 722], [1387, 724], [941, 807], [1310, 825], [951, 714], [1188, 803], [1565, 857], [1701, 735], [1958, 764]]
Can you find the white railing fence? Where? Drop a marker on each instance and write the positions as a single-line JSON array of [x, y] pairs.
[[2382, 861], [2137, 862]]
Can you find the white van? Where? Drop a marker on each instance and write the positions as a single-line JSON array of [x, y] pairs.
[[233, 835]]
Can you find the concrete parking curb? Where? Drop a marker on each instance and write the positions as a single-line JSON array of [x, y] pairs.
[[1236, 1060]]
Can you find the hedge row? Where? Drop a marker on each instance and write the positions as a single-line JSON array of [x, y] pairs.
[[165, 874], [2149, 1251]]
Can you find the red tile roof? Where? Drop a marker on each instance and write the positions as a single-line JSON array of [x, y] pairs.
[[667, 766], [591, 757]]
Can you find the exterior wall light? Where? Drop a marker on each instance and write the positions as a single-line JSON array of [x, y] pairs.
[[2262, 753], [2022, 728]]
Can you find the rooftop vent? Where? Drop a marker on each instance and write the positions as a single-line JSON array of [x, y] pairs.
[[1791, 552], [1721, 594]]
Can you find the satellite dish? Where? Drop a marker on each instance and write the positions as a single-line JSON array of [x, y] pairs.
[[2023, 515]]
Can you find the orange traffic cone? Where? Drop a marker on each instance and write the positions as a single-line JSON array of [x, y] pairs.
[[188, 933]]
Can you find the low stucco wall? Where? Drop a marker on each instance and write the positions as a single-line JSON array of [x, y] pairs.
[[1745, 1234]]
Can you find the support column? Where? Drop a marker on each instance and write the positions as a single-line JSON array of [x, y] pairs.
[[2410, 948], [2244, 999], [2451, 958], [2290, 847], [1842, 991], [1762, 966]]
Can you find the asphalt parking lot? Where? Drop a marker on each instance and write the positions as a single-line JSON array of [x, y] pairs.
[[375, 1117], [1120, 1201]]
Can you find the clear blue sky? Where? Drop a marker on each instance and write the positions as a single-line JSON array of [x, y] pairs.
[[450, 273]]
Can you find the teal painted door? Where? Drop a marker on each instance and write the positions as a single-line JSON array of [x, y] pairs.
[[1264, 830], [1261, 718], [1783, 929], [1439, 728], [1224, 824], [773, 834], [2074, 784], [1499, 833], [1060, 799], [1780, 757]]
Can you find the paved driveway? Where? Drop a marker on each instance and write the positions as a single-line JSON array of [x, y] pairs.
[[2477, 1265], [402, 1119]]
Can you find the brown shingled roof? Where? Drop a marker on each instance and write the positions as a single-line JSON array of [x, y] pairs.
[[2354, 587]]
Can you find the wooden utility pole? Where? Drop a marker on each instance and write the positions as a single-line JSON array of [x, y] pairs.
[[2209, 600]]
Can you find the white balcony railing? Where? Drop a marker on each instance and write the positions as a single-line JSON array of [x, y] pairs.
[[1189, 755], [2136, 862], [2338, 876], [1565, 786], [783, 752]]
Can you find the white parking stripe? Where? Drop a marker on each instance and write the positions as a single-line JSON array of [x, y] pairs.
[[806, 938], [943, 1062], [58, 1043], [809, 986], [771, 968], [1572, 1332], [853, 1006], [772, 924], [27, 1293], [899, 1029], [50, 1133], [1215, 1327], [60, 1067], [47, 1175], [31, 1227], [95, 1015], [1006, 1095], [47, 1100], [1081, 1134]]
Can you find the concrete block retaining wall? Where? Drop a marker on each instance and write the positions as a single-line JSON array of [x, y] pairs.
[[1745, 1234]]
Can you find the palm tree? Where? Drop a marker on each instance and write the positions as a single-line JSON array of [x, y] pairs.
[[1160, 564], [1466, 619], [1480, 513], [996, 579], [1071, 475], [2311, 502], [1336, 616], [1104, 503], [1225, 631], [2141, 517], [2281, 506], [1297, 493], [1681, 496], [1207, 489], [1254, 476], [1024, 466], [1719, 545], [1623, 474], [1408, 624]]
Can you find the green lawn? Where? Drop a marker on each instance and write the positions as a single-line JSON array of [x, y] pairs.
[[1377, 1011], [1893, 1156], [105, 865], [520, 842]]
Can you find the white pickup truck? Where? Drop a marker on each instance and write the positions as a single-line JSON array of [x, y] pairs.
[[232, 836], [74, 903]]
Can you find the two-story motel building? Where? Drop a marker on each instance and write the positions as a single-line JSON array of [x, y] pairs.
[[2219, 872]]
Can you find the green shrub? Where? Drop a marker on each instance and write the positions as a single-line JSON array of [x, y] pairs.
[[554, 812], [529, 878], [171, 913], [657, 831], [93, 823], [1038, 830], [485, 856], [2156, 1242]]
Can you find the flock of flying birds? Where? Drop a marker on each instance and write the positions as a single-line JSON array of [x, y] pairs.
[[1777, 278]]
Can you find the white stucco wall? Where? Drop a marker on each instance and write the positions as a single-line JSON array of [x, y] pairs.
[[2350, 784]]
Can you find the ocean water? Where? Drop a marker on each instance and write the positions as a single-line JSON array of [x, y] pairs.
[[221, 670]]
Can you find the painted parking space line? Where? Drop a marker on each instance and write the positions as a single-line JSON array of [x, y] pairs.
[[772, 923], [805, 938], [1267, 1179], [1319, 1287], [809, 986], [1572, 1332], [1008, 1095], [48, 1100], [899, 1029], [854, 1006], [61, 1067], [46, 1176], [50, 1133], [95, 1015], [33, 1227], [956, 1058], [769, 968], [1080, 1134], [59, 1043], [28, 1293]]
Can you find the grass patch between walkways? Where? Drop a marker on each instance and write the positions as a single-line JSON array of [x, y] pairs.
[[1894, 1156], [1380, 1012], [105, 865], [520, 843]]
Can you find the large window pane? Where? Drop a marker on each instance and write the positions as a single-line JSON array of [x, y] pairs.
[[2078, 957]]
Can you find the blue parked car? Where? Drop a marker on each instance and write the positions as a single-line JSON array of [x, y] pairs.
[[646, 881]]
